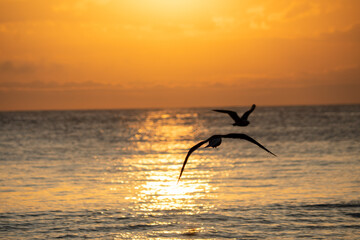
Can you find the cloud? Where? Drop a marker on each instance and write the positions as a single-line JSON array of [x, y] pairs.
[[264, 16], [299, 10], [350, 34], [337, 85], [10, 67], [40, 10], [338, 76], [54, 86], [18, 71]]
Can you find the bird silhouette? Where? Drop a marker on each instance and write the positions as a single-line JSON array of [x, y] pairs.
[[215, 141], [239, 121]]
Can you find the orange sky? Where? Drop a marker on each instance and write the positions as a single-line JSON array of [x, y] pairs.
[[85, 54]]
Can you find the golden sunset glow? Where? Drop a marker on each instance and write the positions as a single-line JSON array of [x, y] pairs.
[[154, 53]]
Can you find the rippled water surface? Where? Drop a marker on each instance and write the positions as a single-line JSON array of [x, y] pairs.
[[112, 174]]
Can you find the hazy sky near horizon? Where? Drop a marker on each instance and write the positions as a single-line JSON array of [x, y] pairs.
[[76, 54]]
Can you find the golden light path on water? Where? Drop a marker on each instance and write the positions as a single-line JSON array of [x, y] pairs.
[[159, 189], [162, 193], [154, 189]]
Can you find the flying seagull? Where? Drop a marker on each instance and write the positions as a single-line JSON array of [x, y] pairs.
[[215, 141], [239, 121]]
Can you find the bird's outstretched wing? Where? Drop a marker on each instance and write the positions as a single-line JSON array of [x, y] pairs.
[[232, 114], [246, 137], [188, 155], [247, 113]]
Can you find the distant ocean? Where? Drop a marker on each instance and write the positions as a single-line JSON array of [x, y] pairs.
[[111, 174]]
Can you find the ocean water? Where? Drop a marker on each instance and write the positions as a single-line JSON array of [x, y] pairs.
[[112, 174]]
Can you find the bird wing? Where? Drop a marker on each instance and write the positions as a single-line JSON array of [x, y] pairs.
[[247, 113], [246, 137], [232, 114], [191, 150]]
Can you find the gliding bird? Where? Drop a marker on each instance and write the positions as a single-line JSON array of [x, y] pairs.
[[215, 141], [239, 121]]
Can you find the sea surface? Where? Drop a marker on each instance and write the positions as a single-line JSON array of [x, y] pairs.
[[111, 174]]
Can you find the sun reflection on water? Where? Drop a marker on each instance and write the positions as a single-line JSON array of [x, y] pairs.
[[152, 180], [163, 193]]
